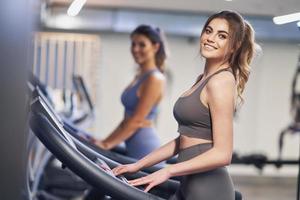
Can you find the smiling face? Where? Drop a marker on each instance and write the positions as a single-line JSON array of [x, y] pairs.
[[142, 49], [214, 41]]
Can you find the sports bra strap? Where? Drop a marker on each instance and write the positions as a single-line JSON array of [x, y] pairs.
[[146, 75], [217, 72]]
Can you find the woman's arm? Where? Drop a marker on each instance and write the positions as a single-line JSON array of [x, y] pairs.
[[164, 152], [150, 94]]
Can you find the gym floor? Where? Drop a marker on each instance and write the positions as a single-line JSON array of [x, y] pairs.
[[266, 188]]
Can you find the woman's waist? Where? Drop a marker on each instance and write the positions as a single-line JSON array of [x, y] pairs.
[[143, 123], [152, 114], [192, 147], [187, 141]]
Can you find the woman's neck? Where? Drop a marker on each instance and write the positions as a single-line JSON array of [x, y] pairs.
[[211, 66], [147, 67]]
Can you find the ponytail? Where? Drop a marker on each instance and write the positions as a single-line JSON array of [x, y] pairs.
[[244, 58]]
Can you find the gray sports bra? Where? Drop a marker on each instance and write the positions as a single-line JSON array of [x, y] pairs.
[[193, 117]]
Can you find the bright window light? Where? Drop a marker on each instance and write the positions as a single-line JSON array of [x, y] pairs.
[[298, 24], [287, 18], [75, 7]]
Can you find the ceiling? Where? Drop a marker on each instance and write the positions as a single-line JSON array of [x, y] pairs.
[[176, 17], [250, 7]]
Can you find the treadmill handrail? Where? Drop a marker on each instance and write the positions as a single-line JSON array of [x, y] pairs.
[[80, 164], [88, 149], [38, 104], [48, 110]]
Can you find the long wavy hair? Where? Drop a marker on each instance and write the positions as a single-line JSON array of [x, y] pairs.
[[241, 47]]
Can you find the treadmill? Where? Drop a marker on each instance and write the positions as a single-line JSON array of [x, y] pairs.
[[86, 138], [91, 166]]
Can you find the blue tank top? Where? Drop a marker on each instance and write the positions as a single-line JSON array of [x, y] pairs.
[[130, 99]]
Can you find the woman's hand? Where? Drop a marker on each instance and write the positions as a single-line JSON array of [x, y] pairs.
[[153, 179], [129, 168]]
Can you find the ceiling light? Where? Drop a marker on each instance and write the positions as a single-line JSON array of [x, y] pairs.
[[286, 18], [75, 7]]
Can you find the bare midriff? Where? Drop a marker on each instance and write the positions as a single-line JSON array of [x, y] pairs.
[[186, 141]]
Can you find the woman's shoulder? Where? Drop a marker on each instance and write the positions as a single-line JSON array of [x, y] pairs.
[[221, 81], [156, 76], [154, 82]]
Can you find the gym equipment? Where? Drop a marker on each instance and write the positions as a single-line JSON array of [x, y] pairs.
[[86, 138], [39, 122], [85, 101], [94, 171], [294, 127]]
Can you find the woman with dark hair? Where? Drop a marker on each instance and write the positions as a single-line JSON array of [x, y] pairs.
[[142, 96], [205, 115]]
